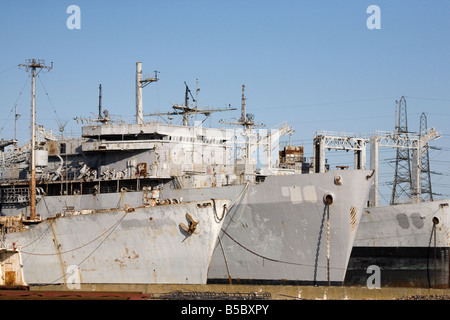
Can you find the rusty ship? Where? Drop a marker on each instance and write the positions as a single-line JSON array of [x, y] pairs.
[[92, 208]]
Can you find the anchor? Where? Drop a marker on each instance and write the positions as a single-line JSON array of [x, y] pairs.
[[192, 224]]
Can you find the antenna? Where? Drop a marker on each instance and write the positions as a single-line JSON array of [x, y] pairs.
[[16, 117], [247, 122], [197, 90], [100, 101], [186, 103], [102, 119], [185, 111], [247, 119], [61, 127], [33, 64]]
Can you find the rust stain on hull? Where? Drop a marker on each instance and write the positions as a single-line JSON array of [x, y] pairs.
[[353, 219]]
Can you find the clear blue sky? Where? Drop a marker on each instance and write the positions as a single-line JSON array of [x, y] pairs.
[[314, 64]]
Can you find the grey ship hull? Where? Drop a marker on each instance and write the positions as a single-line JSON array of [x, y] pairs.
[[131, 245], [277, 231], [283, 219], [405, 243]]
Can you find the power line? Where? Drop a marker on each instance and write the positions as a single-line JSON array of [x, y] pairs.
[[3, 71], [425, 98], [327, 103]]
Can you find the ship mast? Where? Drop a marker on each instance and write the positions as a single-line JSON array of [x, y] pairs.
[[247, 119], [33, 64], [141, 82], [247, 122], [243, 117], [185, 111]]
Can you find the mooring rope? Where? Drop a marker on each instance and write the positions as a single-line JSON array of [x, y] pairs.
[[226, 261], [272, 259], [224, 211], [244, 191], [328, 242]]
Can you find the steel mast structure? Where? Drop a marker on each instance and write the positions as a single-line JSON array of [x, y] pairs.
[[338, 141], [33, 64], [425, 177], [402, 187], [410, 152]]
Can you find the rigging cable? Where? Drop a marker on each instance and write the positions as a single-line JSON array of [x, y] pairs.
[[6, 121], [51, 103], [74, 249], [276, 260], [95, 249]]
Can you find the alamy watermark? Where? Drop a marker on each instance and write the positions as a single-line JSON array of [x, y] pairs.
[[374, 281], [374, 21], [73, 277], [74, 20]]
